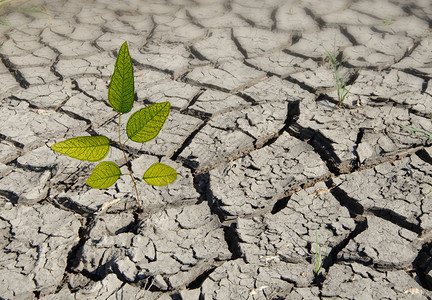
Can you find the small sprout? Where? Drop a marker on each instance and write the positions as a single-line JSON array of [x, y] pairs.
[[340, 80], [387, 21], [319, 260], [142, 126]]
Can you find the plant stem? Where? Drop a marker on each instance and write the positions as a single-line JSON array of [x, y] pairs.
[[119, 128], [128, 167], [317, 251]]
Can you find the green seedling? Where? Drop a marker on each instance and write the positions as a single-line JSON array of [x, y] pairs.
[[387, 21], [340, 80], [142, 126], [319, 259]]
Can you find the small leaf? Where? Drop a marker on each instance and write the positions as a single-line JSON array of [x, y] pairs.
[[332, 60], [88, 148], [121, 90], [104, 175], [159, 175], [145, 124]]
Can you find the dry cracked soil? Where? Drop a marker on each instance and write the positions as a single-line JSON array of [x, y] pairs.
[[272, 173]]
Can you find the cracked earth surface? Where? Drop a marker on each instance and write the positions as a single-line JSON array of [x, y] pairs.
[[270, 169]]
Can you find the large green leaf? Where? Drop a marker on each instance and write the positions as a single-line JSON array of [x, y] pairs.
[[88, 148], [159, 175], [145, 124], [121, 89], [104, 175]]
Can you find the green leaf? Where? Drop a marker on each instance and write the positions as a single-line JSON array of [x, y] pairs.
[[104, 175], [332, 60], [121, 89], [159, 175], [145, 124], [88, 148]]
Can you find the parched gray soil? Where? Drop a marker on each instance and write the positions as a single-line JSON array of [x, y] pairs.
[[275, 179]]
